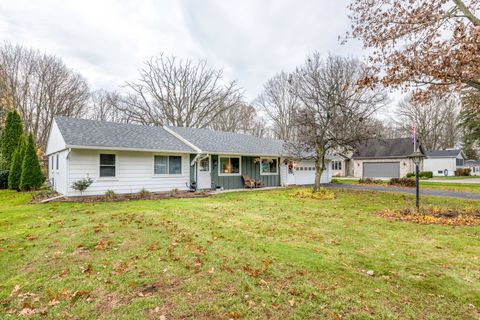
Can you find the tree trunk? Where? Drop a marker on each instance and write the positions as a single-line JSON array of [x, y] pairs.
[[318, 169]]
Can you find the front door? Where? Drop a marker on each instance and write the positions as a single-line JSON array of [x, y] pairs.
[[204, 177], [290, 174]]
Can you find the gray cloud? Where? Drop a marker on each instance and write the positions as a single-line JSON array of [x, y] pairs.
[[107, 41]]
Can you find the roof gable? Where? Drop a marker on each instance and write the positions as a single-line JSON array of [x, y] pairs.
[[384, 148], [111, 135]]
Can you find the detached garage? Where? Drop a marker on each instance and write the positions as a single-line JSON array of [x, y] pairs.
[[383, 158], [381, 169]]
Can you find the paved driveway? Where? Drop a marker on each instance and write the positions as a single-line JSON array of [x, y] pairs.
[[466, 181], [438, 193]]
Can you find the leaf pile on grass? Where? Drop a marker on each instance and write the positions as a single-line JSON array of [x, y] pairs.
[[322, 194], [403, 182], [432, 215], [370, 181]]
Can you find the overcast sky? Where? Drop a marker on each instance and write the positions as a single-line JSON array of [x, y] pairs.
[[107, 40]]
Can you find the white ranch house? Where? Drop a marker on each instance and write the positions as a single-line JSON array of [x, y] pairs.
[[444, 162], [126, 158]]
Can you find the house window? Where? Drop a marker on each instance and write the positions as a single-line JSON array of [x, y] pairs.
[[167, 164], [459, 162], [268, 166], [440, 171], [204, 164], [107, 165], [175, 165], [336, 165], [52, 162], [229, 166], [57, 161]]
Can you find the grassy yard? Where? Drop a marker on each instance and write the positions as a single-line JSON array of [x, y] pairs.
[[456, 178], [448, 186], [248, 255]]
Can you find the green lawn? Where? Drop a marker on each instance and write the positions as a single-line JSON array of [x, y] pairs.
[[456, 178], [448, 186], [249, 255]]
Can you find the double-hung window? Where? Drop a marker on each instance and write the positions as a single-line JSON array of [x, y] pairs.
[[57, 161], [167, 165], [336, 165], [229, 166], [107, 165], [268, 166]]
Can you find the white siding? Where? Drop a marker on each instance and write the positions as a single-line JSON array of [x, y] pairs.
[[134, 171], [58, 176], [55, 141], [440, 164], [307, 176]]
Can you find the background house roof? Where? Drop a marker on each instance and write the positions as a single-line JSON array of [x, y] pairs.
[[92, 133], [384, 148], [472, 163], [227, 142], [443, 153]]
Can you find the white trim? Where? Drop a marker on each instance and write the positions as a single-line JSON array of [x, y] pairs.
[[125, 149], [114, 178], [179, 137], [222, 174], [171, 151], [162, 175], [268, 173], [209, 163]]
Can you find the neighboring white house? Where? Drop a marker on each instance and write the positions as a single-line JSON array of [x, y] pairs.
[[125, 158], [443, 162], [474, 166]]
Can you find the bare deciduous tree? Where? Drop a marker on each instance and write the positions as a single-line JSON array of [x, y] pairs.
[[172, 91], [427, 44], [105, 106], [279, 104], [240, 119], [334, 113], [436, 121], [40, 87]]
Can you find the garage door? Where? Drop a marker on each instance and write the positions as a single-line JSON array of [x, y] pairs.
[[305, 172], [381, 169]]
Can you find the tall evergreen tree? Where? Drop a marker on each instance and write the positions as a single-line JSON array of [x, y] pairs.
[[31, 177], [16, 165], [10, 137]]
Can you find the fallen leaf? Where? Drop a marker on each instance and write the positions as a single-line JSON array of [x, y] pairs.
[[53, 302], [291, 302], [86, 269], [15, 290]]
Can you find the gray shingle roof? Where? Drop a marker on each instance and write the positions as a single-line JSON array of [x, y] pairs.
[[226, 142], [472, 163], [91, 133], [384, 148], [443, 153]]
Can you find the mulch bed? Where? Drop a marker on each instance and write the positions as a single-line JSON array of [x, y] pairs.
[[123, 197], [429, 215]]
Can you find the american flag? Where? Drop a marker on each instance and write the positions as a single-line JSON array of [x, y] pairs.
[[413, 135]]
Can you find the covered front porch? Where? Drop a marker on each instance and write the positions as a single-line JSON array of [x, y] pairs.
[[221, 171]]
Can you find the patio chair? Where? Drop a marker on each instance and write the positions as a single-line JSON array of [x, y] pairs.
[[248, 183], [259, 184]]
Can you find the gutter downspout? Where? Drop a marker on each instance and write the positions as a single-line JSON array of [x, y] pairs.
[[67, 173]]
